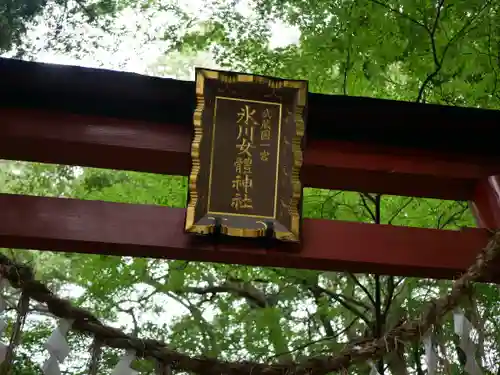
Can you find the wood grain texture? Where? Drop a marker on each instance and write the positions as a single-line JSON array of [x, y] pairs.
[[333, 117], [150, 231], [106, 142]]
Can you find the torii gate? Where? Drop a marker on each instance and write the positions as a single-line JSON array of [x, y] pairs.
[[99, 118]]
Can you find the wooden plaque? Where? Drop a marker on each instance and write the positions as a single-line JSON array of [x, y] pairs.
[[246, 155]]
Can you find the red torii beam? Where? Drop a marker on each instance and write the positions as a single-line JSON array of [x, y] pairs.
[[153, 231], [97, 118], [65, 138]]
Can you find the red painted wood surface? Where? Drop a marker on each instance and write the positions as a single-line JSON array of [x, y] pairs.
[[56, 137], [335, 117], [486, 203], [142, 230]]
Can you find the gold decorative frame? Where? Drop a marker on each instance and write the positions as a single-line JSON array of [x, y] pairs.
[[294, 206]]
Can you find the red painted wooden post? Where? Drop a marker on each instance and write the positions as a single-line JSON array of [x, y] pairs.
[[486, 203]]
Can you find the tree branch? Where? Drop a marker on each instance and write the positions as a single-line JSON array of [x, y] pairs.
[[416, 358], [365, 205], [243, 290], [315, 289], [439, 61], [404, 15], [363, 288], [92, 17], [400, 209], [202, 323], [432, 33], [304, 346], [390, 287]]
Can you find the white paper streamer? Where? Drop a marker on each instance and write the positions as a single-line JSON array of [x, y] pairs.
[[51, 367], [58, 348], [463, 328], [123, 365], [3, 322], [430, 354], [373, 370], [373, 367]]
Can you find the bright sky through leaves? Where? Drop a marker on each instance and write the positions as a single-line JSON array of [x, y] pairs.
[[134, 52], [434, 52]]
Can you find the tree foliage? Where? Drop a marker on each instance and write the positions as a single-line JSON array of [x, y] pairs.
[[79, 29], [17, 16], [239, 312], [439, 52]]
